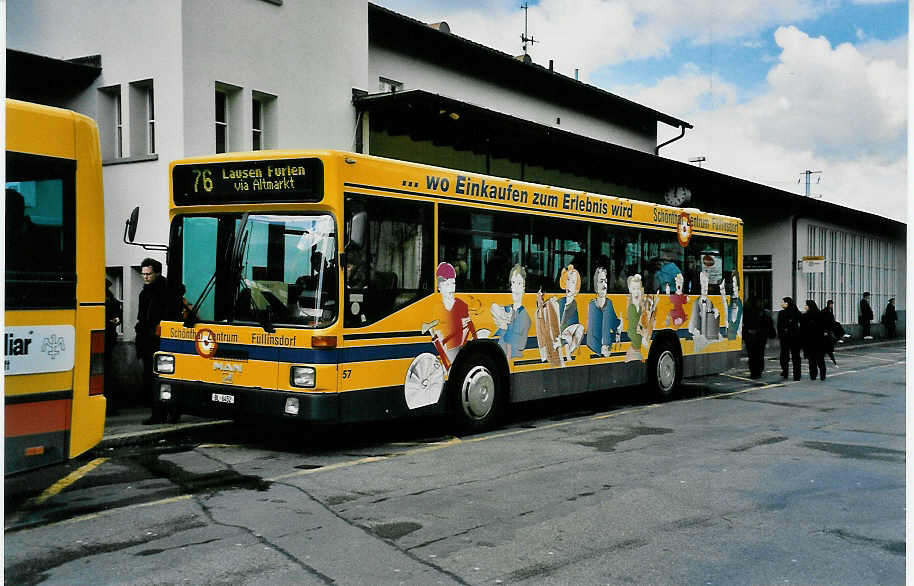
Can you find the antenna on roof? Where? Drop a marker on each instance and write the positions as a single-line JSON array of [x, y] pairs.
[[524, 38]]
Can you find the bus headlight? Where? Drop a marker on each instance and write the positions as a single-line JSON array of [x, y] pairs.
[[303, 376], [292, 406], [165, 392], [165, 364]]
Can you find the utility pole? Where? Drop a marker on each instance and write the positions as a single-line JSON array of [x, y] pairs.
[[809, 174], [524, 38]]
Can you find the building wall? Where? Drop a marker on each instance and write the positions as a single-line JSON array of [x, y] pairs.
[[137, 41], [415, 73], [772, 237], [880, 268], [854, 262], [309, 55]]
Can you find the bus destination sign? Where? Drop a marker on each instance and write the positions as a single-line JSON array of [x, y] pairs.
[[259, 181]]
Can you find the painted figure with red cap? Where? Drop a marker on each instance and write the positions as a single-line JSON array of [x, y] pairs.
[[454, 324]]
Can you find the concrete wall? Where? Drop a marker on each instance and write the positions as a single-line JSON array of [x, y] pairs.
[[308, 54], [137, 41], [419, 74], [881, 287], [773, 236]]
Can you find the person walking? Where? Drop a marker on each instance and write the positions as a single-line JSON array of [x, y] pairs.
[[153, 308], [812, 332], [789, 336], [889, 317], [833, 330], [865, 316], [837, 328], [757, 328]]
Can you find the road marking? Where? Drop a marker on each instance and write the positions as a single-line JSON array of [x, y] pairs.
[[868, 356], [108, 513], [66, 481], [336, 466], [738, 377], [426, 448]]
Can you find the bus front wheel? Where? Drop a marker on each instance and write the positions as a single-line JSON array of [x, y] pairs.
[[476, 394], [665, 371]]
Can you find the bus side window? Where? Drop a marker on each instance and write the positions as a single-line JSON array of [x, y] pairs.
[[392, 266], [482, 246]]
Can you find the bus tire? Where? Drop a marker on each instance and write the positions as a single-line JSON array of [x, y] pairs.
[[664, 371], [475, 393]]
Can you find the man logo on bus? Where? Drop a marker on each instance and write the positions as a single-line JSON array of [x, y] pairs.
[[205, 340], [684, 233]]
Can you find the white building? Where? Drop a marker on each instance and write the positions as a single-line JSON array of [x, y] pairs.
[[176, 78]]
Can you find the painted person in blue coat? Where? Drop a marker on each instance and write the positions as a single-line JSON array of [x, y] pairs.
[[602, 321], [513, 321]]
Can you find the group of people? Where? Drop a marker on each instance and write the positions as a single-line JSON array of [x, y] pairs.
[[812, 332]]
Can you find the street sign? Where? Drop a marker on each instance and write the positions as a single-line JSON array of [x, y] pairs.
[[813, 264]]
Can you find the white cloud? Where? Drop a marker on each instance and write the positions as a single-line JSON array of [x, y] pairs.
[[825, 108], [893, 50], [589, 34], [841, 109]]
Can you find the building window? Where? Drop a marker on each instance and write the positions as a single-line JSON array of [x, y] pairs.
[[142, 118], [110, 122], [263, 121], [118, 126], [230, 118], [854, 263], [389, 86], [256, 124], [221, 121], [150, 121]]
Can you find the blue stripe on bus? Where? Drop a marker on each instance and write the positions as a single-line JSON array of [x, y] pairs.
[[352, 354], [310, 355]]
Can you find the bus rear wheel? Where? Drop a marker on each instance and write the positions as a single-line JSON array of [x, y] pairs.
[[476, 394], [665, 371]]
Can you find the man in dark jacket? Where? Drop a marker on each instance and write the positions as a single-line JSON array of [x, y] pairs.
[[757, 327], [812, 334], [789, 336], [889, 317], [154, 305], [865, 316]]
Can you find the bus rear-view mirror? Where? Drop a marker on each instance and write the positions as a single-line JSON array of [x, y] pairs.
[[132, 222]]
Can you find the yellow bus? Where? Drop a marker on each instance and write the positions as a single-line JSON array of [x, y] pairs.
[[338, 287], [54, 320]]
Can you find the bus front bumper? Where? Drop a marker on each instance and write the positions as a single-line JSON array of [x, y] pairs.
[[222, 402]]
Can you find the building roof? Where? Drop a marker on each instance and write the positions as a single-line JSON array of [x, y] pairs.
[[46, 80], [410, 36], [422, 115]]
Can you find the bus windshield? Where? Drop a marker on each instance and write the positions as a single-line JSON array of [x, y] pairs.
[[283, 272]]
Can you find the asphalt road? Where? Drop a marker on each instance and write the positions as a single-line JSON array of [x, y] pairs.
[[738, 482]]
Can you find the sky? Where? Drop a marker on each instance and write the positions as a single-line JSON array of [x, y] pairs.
[[772, 87]]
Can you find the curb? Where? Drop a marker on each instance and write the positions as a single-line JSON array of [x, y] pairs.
[[133, 438]]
